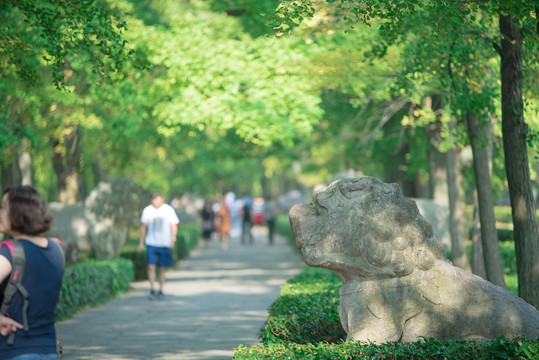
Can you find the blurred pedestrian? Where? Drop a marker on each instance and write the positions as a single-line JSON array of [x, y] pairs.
[[247, 221], [270, 215], [208, 218], [158, 232], [222, 224]]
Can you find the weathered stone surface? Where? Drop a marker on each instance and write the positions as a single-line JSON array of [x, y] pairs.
[[110, 207], [397, 283], [70, 225]]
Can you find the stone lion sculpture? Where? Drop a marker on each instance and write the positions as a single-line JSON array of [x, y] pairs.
[[397, 283]]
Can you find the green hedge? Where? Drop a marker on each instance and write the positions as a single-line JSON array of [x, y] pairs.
[[501, 213], [306, 310], [92, 283], [282, 226], [503, 218], [500, 348], [507, 256], [188, 237], [186, 240]]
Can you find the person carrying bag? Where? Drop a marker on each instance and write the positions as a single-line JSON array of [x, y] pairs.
[[27, 320]]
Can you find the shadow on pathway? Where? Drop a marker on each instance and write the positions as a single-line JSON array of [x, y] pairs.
[[215, 300]]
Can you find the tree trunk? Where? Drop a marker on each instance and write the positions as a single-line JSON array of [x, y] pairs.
[[11, 173], [265, 184], [422, 187], [489, 236], [438, 176], [66, 163], [457, 211], [478, 257], [58, 165], [98, 173], [437, 160], [514, 131], [25, 163], [9, 156]]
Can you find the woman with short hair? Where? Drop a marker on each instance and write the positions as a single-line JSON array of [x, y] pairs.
[[24, 216]]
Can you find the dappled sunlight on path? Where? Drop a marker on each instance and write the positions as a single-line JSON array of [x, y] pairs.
[[215, 300]]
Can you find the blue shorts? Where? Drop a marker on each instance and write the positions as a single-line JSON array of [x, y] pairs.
[[160, 256]]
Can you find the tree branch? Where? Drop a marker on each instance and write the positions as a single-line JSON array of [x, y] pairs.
[[387, 113], [495, 45], [450, 67]]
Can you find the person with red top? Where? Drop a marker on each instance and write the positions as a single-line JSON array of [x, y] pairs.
[[24, 216]]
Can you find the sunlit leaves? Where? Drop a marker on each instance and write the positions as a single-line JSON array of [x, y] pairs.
[[90, 30], [257, 87]]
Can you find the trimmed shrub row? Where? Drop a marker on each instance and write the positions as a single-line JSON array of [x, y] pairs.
[[500, 348], [282, 226], [503, 214], [186, 240], [507, 256], [503, 218], [188, 237], [306, 310], [92, 283]]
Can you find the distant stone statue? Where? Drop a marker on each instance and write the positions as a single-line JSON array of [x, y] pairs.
[[71, 225], [397, 283], [101, 224], [110, 207]]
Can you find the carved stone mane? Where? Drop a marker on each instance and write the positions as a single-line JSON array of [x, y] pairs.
[[397, 283]]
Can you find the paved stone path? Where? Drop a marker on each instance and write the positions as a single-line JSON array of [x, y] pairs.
[[215, 300]]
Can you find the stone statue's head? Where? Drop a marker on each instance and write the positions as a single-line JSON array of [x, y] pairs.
[[363, 228]]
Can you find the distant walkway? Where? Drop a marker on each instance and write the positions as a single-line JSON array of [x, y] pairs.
[[215, 300]]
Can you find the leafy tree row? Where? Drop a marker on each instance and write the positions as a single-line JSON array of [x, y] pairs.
[[200, 96]]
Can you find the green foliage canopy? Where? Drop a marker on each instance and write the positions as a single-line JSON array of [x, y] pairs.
[[37, 32]]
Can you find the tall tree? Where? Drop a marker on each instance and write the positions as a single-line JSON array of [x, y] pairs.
[[489, 235], [515, 132]]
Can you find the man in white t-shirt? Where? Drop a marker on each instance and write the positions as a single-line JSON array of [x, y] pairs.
[[158, 232]]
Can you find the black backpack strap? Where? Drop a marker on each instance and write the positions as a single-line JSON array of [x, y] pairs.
[[14, 285]]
